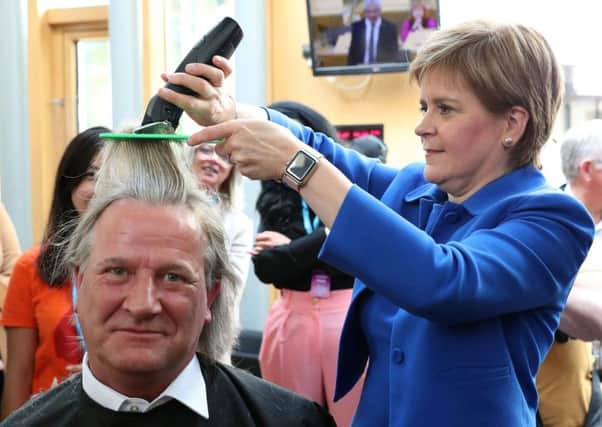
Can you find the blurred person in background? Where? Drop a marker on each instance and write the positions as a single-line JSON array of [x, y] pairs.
[[370, 146], [43, 343], [568, 384], [222, 181], [9, 252], [301, 333]]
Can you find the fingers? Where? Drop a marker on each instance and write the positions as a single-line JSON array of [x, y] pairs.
[[223, 64], [259, 149], [271, 238], [73, 369], [210, 133], [203, 88], [214, 75]]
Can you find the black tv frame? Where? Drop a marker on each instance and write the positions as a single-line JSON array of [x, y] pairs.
[[390, 67]]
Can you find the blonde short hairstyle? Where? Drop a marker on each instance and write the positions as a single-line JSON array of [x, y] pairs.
[[505, 66], [230, 191]]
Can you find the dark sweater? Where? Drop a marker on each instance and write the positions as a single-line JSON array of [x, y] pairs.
[[291, 266], [234, 397]]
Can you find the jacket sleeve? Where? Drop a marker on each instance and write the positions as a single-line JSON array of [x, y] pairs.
[[527, 261], [18, 308], [286, 265], [369, 174]]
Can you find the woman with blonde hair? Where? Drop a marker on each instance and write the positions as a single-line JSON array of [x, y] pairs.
[[222, 180]]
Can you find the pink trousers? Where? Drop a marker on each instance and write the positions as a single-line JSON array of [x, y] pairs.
[[300, 346]]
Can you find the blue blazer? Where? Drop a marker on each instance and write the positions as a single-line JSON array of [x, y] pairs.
[[455, 305]]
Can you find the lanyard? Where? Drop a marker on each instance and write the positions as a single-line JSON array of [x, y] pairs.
[[309, 225], [78, 326]]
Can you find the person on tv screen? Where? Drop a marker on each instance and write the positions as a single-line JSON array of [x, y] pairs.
[[373, 39], [418, 21]]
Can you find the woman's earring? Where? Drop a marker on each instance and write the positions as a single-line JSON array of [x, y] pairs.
[[507, 142]]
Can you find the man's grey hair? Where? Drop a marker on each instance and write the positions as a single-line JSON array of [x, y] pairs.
[[375, 3], [155, 172], [581, 143]]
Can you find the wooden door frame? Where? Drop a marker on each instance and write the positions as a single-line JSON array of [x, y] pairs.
[[52, 91]]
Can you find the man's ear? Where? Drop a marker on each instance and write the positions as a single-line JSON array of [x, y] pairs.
[[215, 290], [211, 296], [586, 170]]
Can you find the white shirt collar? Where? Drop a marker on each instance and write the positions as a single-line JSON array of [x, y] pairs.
[[188, 388], [376, 23]]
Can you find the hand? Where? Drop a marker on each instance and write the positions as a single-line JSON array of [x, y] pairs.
[[269, 239], [211, 105], [74, 369], [259, 149]]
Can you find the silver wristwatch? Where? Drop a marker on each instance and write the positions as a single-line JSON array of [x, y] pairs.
[[300, 168]]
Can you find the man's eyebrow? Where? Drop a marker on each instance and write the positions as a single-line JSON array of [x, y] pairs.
[[181, 267], [111, 261], [177, 266]]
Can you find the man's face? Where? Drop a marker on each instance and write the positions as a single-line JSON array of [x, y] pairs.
[[142, 298], [372, 13]]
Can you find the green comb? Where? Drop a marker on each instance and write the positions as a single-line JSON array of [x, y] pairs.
[[147, 136], [129, 136]]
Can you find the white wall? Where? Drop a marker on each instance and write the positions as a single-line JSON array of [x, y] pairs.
[[572, 28]]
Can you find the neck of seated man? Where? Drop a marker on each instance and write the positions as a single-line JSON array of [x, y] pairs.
[[188, 387], [136, 383]]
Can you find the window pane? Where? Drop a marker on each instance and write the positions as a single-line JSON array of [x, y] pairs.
[[186, 21], [93, 84]]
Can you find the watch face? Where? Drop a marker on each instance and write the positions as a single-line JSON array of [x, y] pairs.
[[300, 165]]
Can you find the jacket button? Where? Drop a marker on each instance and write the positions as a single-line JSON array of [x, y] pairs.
[[398, 356]]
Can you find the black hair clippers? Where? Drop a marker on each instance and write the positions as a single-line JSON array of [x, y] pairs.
[[162, 116]]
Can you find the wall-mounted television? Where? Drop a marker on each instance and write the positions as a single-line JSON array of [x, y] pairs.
[[368, 36]]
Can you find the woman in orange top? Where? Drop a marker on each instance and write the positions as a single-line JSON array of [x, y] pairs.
[[43, 345]]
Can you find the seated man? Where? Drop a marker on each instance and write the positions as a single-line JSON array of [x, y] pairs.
[[154, 305]]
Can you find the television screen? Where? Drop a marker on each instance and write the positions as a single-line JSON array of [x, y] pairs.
[[368, 36]]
